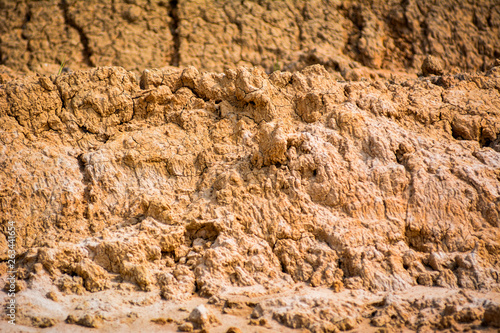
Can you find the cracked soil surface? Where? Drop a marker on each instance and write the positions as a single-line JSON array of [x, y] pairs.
[[251, 166]]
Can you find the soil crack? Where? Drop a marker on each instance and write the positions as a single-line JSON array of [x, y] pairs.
[[70, 21], [174, 29]]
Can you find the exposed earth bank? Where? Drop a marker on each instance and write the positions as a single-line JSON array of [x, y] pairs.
[[248, 184], [251, 166]]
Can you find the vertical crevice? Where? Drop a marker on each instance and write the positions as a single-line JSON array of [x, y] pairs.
[[86, 180], [2, 60], [301, 21], [69, 21], [27, 18], [174, 30], [25, 35]]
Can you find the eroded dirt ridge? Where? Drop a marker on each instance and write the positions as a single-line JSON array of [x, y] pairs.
[[247, 183]]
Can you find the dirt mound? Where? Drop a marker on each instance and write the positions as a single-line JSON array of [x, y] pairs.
[[244, 183], [251, 166], [353, 38]]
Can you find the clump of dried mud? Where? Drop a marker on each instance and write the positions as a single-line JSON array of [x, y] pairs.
[[247, 184], [226, 195]]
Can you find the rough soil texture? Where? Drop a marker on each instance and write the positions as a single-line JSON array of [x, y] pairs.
[[343, 193], [352, 38], [243, 183]]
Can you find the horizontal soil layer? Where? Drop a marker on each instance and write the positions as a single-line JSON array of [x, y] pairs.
[[352, 38]]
